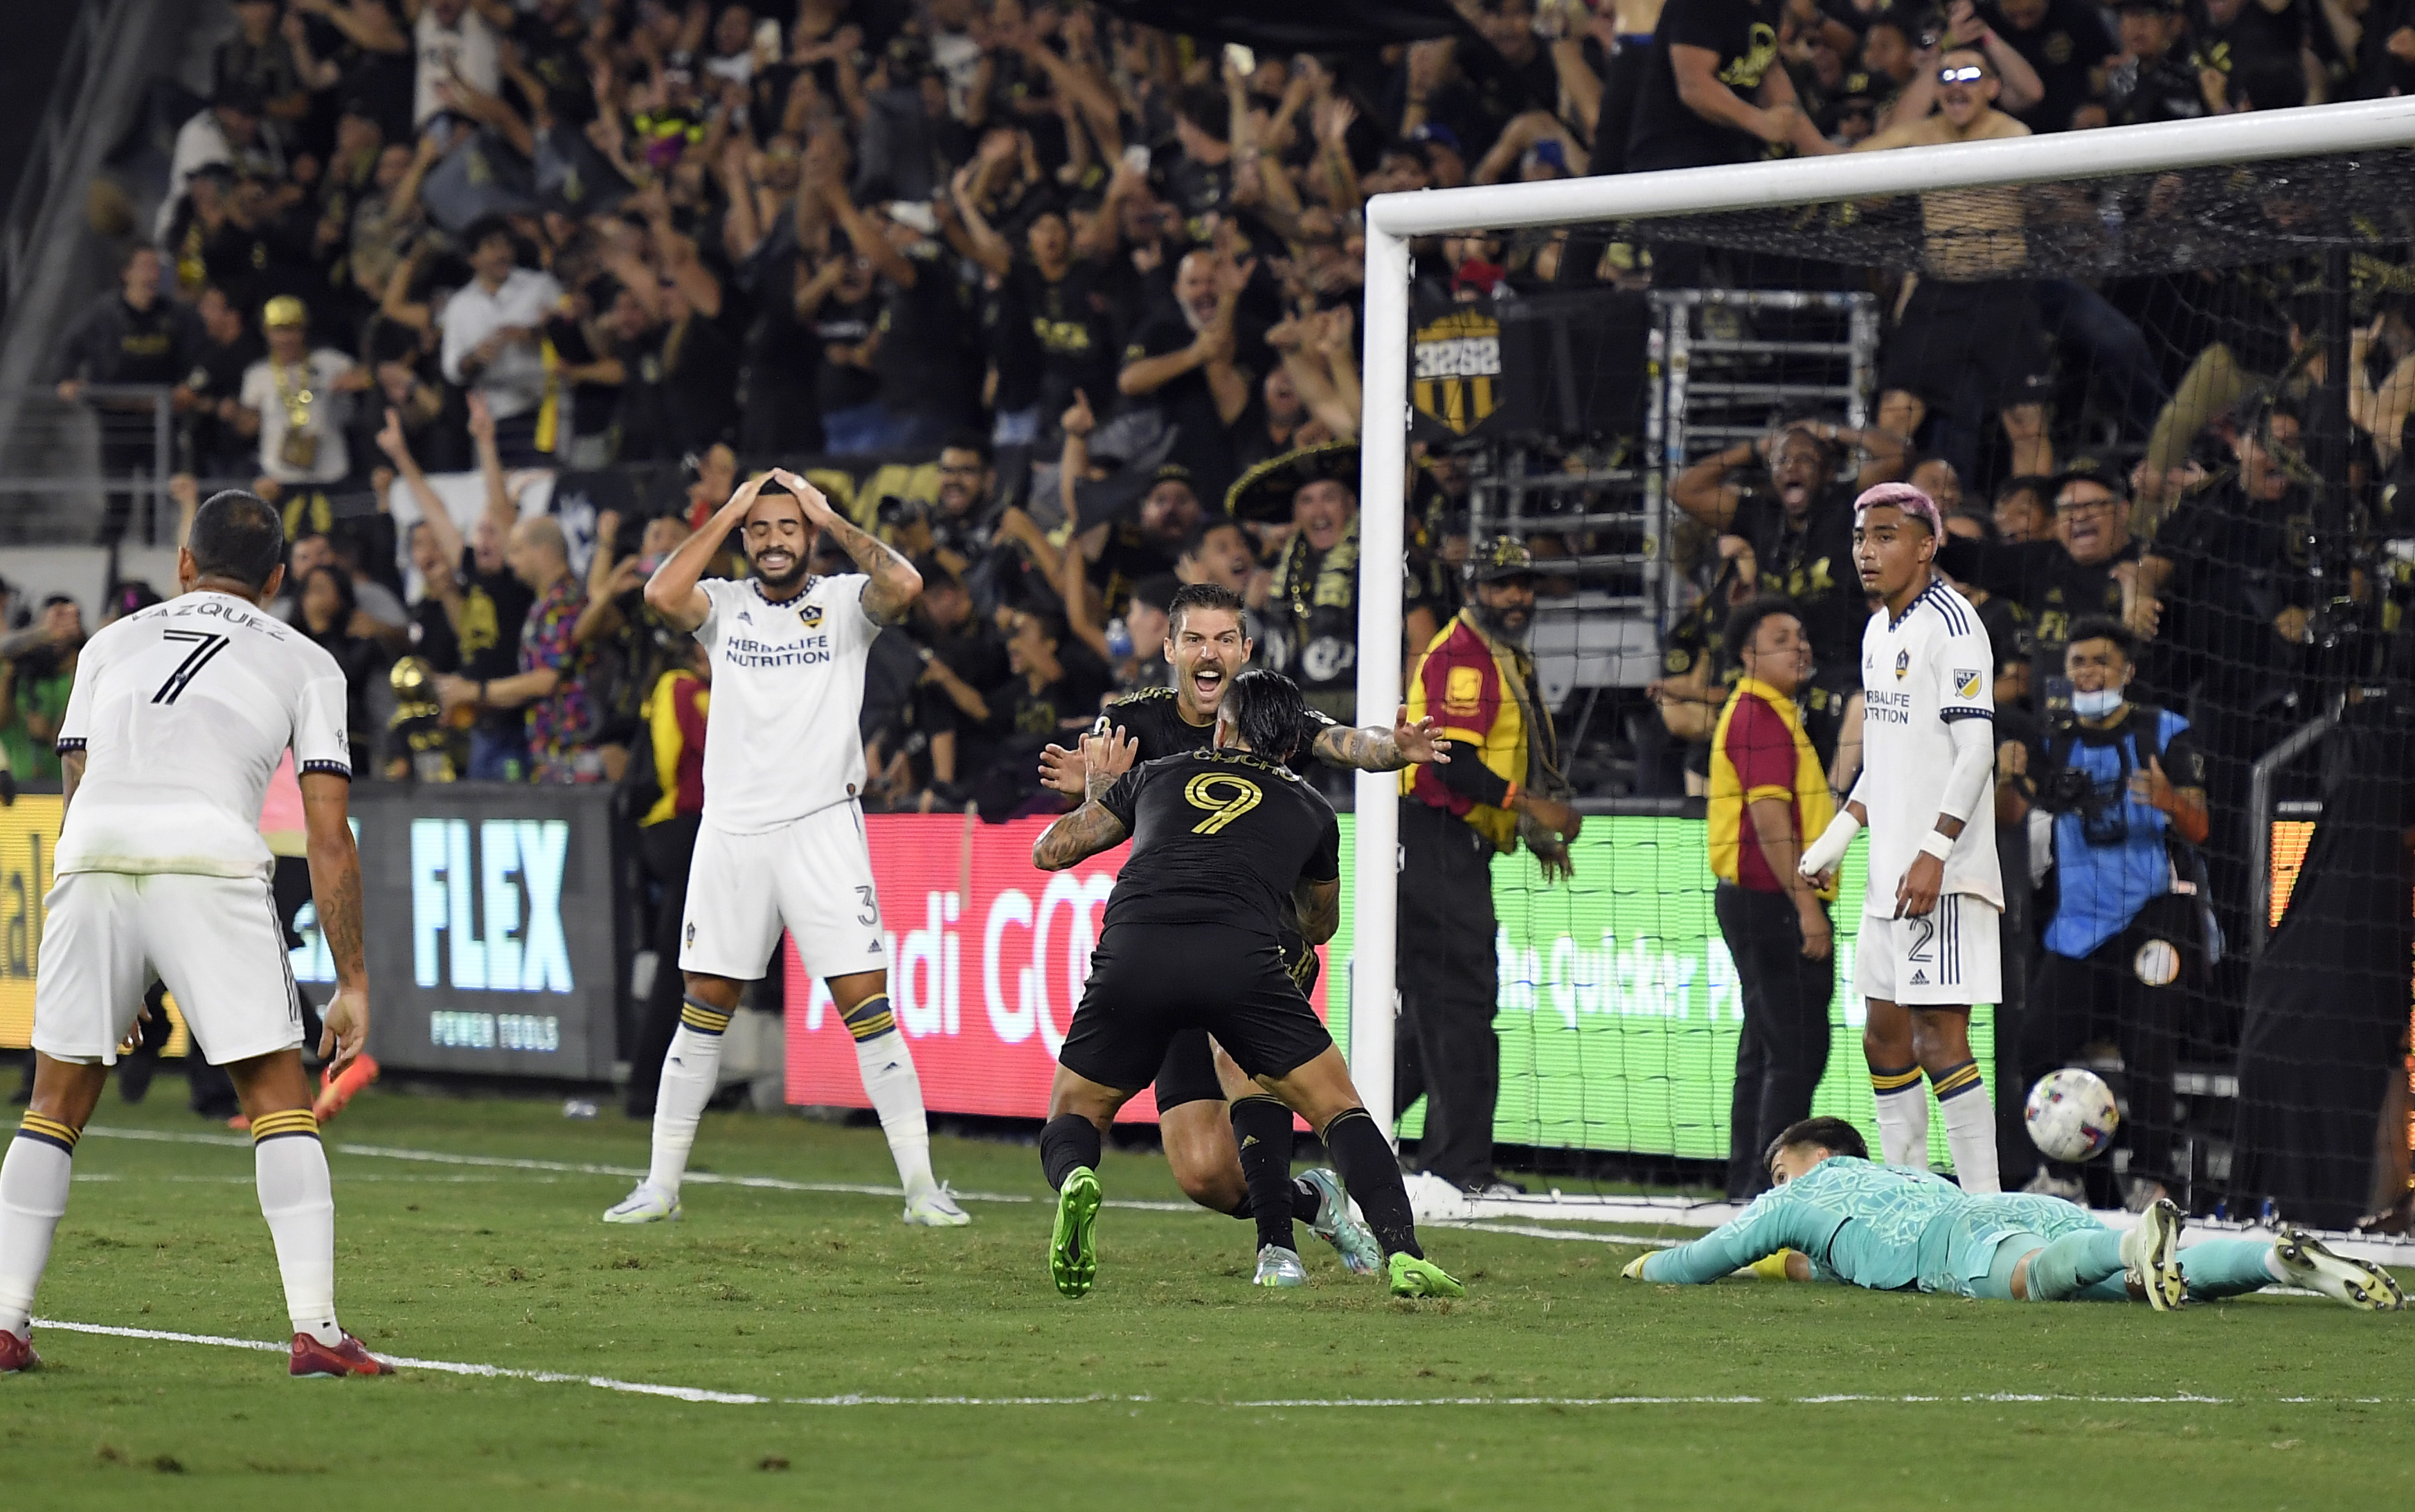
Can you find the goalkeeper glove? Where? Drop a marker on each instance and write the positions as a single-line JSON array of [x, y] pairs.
[[1821, 854], [1634, 1269]]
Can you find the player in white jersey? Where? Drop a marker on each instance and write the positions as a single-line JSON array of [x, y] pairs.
[[1928, 943], [180, 714], [782, 842]]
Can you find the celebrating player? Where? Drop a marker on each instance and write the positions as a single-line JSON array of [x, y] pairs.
[[1834, 1216], [782, 843], [1227, 845], [1241, 1165], [1927, 949], [180, 714]]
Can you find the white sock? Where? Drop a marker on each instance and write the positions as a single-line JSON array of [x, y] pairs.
[[33, 1198], [690, 1072], [2273, 1266], [1969, 1128], [299, 1201], [1903, 1116], [896, 1092]]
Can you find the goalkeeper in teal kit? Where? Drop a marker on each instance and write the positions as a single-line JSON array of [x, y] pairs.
[[1889, 1227]]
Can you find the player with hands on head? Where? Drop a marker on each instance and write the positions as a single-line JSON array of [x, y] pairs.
[[181, 712], [1230, 849], [1229, 1144], [781, 845], [1929, 946]]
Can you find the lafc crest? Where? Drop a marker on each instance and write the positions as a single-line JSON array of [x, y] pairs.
[[1457, 375]]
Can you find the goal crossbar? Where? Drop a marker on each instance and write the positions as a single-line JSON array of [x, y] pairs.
[[1393, 220]]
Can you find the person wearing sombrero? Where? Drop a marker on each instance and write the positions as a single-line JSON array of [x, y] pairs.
[[1312, 604], [1476, 679]]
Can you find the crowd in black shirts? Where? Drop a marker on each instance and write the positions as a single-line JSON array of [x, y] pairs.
[[1107, 274]]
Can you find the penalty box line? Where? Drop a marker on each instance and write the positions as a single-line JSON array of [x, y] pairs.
[[748, 1399]]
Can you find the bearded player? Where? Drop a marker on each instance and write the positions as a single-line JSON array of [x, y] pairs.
[[1241, 1164], [1929, 946], [781, 842]]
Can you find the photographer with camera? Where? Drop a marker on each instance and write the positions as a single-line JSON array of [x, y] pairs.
[[2123, 781]]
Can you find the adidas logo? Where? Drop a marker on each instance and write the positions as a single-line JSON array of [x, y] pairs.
[[745, 617], [1920, 979], [1247, 1142]]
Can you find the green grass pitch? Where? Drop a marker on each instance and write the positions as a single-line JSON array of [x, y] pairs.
[[783, 1295]]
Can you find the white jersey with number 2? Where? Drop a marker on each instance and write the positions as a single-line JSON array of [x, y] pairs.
[[183, 711], [1923, 671]]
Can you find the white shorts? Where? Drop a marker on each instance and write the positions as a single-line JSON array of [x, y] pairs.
[[216, 941], [1947, 957], [813, 876]]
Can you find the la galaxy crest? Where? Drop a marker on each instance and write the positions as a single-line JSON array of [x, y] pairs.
[[1902, 664]]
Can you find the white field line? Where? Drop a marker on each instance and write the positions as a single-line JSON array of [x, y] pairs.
[[748, 1399], [701, 1178]]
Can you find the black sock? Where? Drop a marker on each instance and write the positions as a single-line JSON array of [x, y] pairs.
[[1067, 1143], [1261, 1127], [1304, 1201], [1364, 1159]]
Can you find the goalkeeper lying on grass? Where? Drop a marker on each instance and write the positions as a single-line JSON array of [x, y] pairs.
[[1891, 1229]]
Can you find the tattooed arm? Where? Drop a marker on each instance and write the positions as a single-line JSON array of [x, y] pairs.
[[1320, 908], [336, 889], [894, 584], [1093, 827], [1375, 749]]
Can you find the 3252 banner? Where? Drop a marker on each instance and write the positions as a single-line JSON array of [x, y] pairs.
[[1619, 1006], [29, 830]]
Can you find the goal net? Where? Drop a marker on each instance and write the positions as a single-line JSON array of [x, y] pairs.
[[2161, 376]]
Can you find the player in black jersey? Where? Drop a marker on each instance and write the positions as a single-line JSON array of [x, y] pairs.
[[1240, 1164], [1229, 847]]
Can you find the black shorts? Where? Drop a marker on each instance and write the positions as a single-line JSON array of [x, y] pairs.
[[1989, 335], [1188, 1073], [1150, 982]]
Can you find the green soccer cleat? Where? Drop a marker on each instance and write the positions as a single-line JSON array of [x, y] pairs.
[[1072, 1260], [2151, 1254], [1278, 1267], [1361, 1254], [1413, 1277], [2351, 1282]]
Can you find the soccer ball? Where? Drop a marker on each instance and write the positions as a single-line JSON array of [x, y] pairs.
[[2071, 1115]]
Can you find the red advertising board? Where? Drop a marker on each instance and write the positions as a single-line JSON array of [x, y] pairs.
[[986, 958]]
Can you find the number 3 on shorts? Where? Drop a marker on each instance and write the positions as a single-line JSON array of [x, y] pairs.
[[871, 914]]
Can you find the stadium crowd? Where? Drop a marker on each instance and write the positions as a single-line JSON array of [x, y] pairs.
[[1105, 282]]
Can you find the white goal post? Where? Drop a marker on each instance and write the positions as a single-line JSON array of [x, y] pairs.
[[1393, 220]]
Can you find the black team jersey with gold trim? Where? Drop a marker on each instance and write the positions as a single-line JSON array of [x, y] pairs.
[[1218, 837], [1153, 718]]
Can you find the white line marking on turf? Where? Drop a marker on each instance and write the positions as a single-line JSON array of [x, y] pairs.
[[748, 1399], [1532, 1232], [587, 1169]]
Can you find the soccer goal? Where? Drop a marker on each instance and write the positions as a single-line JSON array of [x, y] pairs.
[[2327, 192]]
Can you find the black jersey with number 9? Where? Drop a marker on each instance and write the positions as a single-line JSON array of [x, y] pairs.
[[1218, 837]]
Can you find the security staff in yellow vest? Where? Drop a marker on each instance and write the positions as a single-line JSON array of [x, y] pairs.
[[1769, 790], [1478, 681]]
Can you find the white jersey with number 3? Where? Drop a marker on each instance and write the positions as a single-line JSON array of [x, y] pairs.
[[183, 711], [1922, 672], [780, 737]]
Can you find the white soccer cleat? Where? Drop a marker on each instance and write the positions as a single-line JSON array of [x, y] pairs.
[[2350, 1283], [646, 1204], [1334, 1223], [2150, 1256], [1278, 1267], [935, 1210]]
